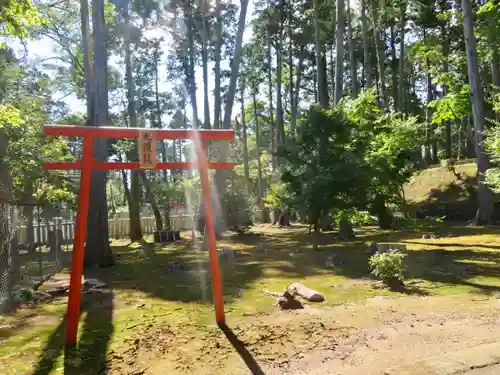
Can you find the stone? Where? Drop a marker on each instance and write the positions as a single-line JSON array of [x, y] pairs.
[[227, 252], [177, 266], [429, 236], [374, 248], [330, 262], [260, 246], [57, 292], [39, 296], [93, 283], [98, 291]]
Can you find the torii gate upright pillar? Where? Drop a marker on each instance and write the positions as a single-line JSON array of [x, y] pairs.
[[87, 164]]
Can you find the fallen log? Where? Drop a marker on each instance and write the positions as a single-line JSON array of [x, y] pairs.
[[285, 300], [307, 293]]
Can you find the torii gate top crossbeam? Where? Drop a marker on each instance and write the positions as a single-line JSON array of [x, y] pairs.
[[116, 132]]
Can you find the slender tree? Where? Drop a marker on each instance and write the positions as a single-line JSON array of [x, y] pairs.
[[97, 249], [485, 196], [339, 47]]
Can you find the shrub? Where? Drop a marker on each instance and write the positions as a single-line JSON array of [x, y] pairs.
[[388, 267], [232, 208], [359, 218], [415, 223]]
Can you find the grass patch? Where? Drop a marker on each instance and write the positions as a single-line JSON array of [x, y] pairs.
[[146, 294], [439, 180]]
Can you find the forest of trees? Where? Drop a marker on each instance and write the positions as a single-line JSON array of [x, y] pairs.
[[335, 104]]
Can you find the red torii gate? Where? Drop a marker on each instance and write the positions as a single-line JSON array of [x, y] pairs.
[[87, 164]]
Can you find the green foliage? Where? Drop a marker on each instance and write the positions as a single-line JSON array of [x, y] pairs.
[[22, 296], [348, 157], [324, 168], [239, 215], [356, 217], [236, 203], [26, 106], [9, 116], [278, 196], [416, 223], [232, 206], [492, 146], [388, 266], [392, 153], [17, 16], [453, 106]]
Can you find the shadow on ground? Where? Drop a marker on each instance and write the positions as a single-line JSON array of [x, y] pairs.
[[288, 254], [455, 266], [89, 357], [243, 352]]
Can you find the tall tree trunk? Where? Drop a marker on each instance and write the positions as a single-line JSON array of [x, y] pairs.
[[332, 70], [163, 148], [218, 46], [235, 65], [231, 92], [87, 55], [112, 197], [367, 70], [315, 87], [434, 154], [428, 119], [135, 186], [290, 66], [495, 69], [28, 199], [97, 249], [205, 42], [339, 47], [191, 66], [280, 126], [321, 79], [152, 201], [401, 93], [246, 169], [446, 52], [270, 93], [380, 49], [295, 106], [394, 69], [126, 190], [9, 254], [134, 207], [206, 103], [428, 112], [260, 188], [485, 196], [352, 57]]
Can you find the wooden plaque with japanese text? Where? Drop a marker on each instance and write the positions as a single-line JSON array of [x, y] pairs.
[[147, 149]]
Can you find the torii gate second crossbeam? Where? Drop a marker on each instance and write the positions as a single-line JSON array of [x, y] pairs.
[[87, 164]]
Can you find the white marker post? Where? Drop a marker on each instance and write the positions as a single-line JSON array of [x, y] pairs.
[[147, 149]]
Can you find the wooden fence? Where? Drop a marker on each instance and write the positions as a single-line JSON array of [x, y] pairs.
[[118, 228]]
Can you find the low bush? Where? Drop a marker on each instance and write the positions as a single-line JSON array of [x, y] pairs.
[[388, 266]]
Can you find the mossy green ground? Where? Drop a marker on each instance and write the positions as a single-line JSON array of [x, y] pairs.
[[463, 260]]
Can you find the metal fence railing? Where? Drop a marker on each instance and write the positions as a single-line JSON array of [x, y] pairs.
[[24, 265], [30, 254], [118, 228]]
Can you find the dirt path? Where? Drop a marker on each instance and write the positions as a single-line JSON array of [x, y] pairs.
[[368, 338]]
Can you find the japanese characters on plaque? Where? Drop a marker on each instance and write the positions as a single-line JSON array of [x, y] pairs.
[[147, 149]]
